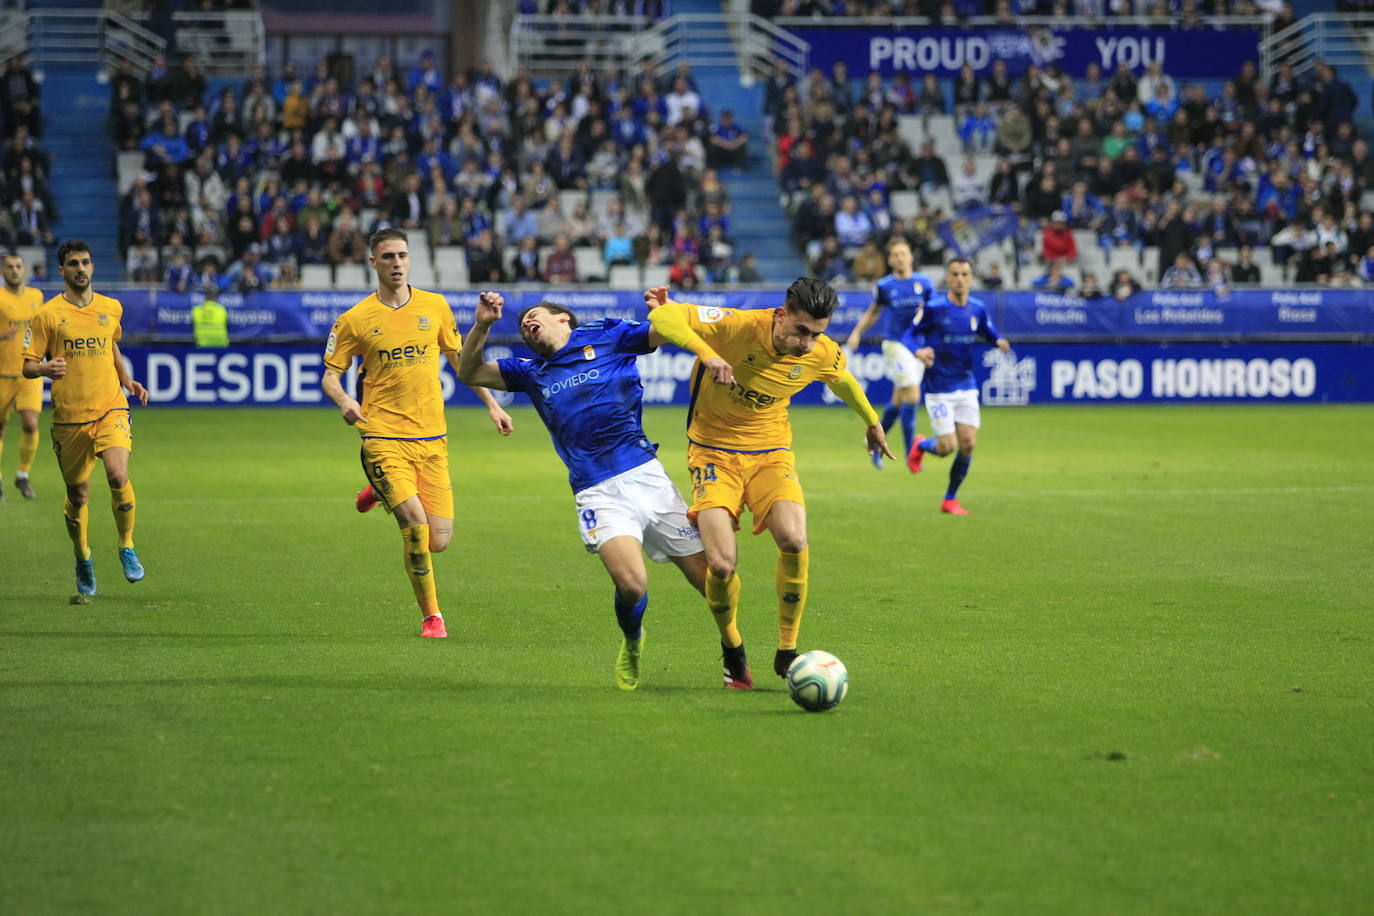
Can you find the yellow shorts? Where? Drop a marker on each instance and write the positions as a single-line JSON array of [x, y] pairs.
[[78, 445], [20, 394], [733, 480], [401, 468]]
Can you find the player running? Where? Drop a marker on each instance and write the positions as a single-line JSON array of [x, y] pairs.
[[585, 385], [740, 437], [18, 303], [73, 340], [896, 298], [943, 337], [399, 332]]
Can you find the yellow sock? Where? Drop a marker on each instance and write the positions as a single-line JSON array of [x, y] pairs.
[[419, 569], [791, 581], [76, 528], [124, 504], [28, 447], [722, 596]]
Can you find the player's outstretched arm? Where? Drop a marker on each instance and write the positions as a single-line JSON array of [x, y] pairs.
[[866, 321], [127, 380], [848, 389], [472, 371], [670, 325]]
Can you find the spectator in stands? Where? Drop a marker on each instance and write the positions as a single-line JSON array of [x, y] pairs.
[[667, 191], [142, 263], [869, 264], [408, 208], [525, 264], [852, 226], [346, 242], [179, 276], [1245, 272], [1053, 279], [729, 143], [683, 274], [966, 188], [282, 245], [1124, 286], [19, 99], [927, 172], [1182, 274], [484, 261], [1090, 288], [1335, 101], [978, 130], [1014, 136], [1057, 244], [561, 265], [1173, 236], [312, 241]]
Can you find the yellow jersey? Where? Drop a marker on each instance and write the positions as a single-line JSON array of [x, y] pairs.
[[16, 311], [750, 415], [400, 349], [85, 337]]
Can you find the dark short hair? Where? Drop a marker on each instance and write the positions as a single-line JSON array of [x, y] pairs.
[[386, 235], [71, 246], [952, 261], [814, 297], [553, 308]]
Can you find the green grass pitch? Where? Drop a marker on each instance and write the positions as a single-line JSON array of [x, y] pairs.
[[1137, 679]]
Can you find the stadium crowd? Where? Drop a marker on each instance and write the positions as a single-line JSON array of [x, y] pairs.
[[1129, 159], [28, 212], [245, 185]]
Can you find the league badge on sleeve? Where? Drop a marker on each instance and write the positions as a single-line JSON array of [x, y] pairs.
[[973, 322], [710, 314]]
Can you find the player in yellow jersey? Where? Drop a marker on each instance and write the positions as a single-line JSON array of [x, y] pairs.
[[18, 303], [400, 332], [74, 340], [739, 436]]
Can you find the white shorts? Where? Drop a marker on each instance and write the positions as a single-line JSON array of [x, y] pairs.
[[945, 410], [903, 368], [641, 503]]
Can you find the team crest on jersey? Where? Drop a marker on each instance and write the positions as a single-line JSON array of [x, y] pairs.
[[424, 322], [588, 353], [103, 318], [795, 373], [972, 322], [710, 314]]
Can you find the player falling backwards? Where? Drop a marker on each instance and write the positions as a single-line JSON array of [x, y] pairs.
[[896, 298], [18, 303], [73, 340], [585, 385], [399, 332], [943, 337], [739, 436]]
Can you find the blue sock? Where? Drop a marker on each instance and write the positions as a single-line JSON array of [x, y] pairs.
[[629, 615], [957, 472], [927, 445], [908, 413], [890, 416]]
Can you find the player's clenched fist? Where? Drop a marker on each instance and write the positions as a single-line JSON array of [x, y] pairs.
[[655, 296], [489, 307]]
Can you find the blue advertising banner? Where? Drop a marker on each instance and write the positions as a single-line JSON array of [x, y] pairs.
[[1185, 54], [1159, 315], [1032, 374]]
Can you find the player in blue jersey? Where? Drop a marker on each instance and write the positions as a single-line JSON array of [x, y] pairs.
[[943, 337], [585, 385], [896, 298]]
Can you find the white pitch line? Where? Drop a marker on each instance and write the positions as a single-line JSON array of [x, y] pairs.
[[1115, 491]]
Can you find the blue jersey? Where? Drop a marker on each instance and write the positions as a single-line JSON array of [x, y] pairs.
[[900, 299], [589, 396], [951, 330]]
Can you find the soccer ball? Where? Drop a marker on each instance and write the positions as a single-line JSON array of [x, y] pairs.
[[817, 681]]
